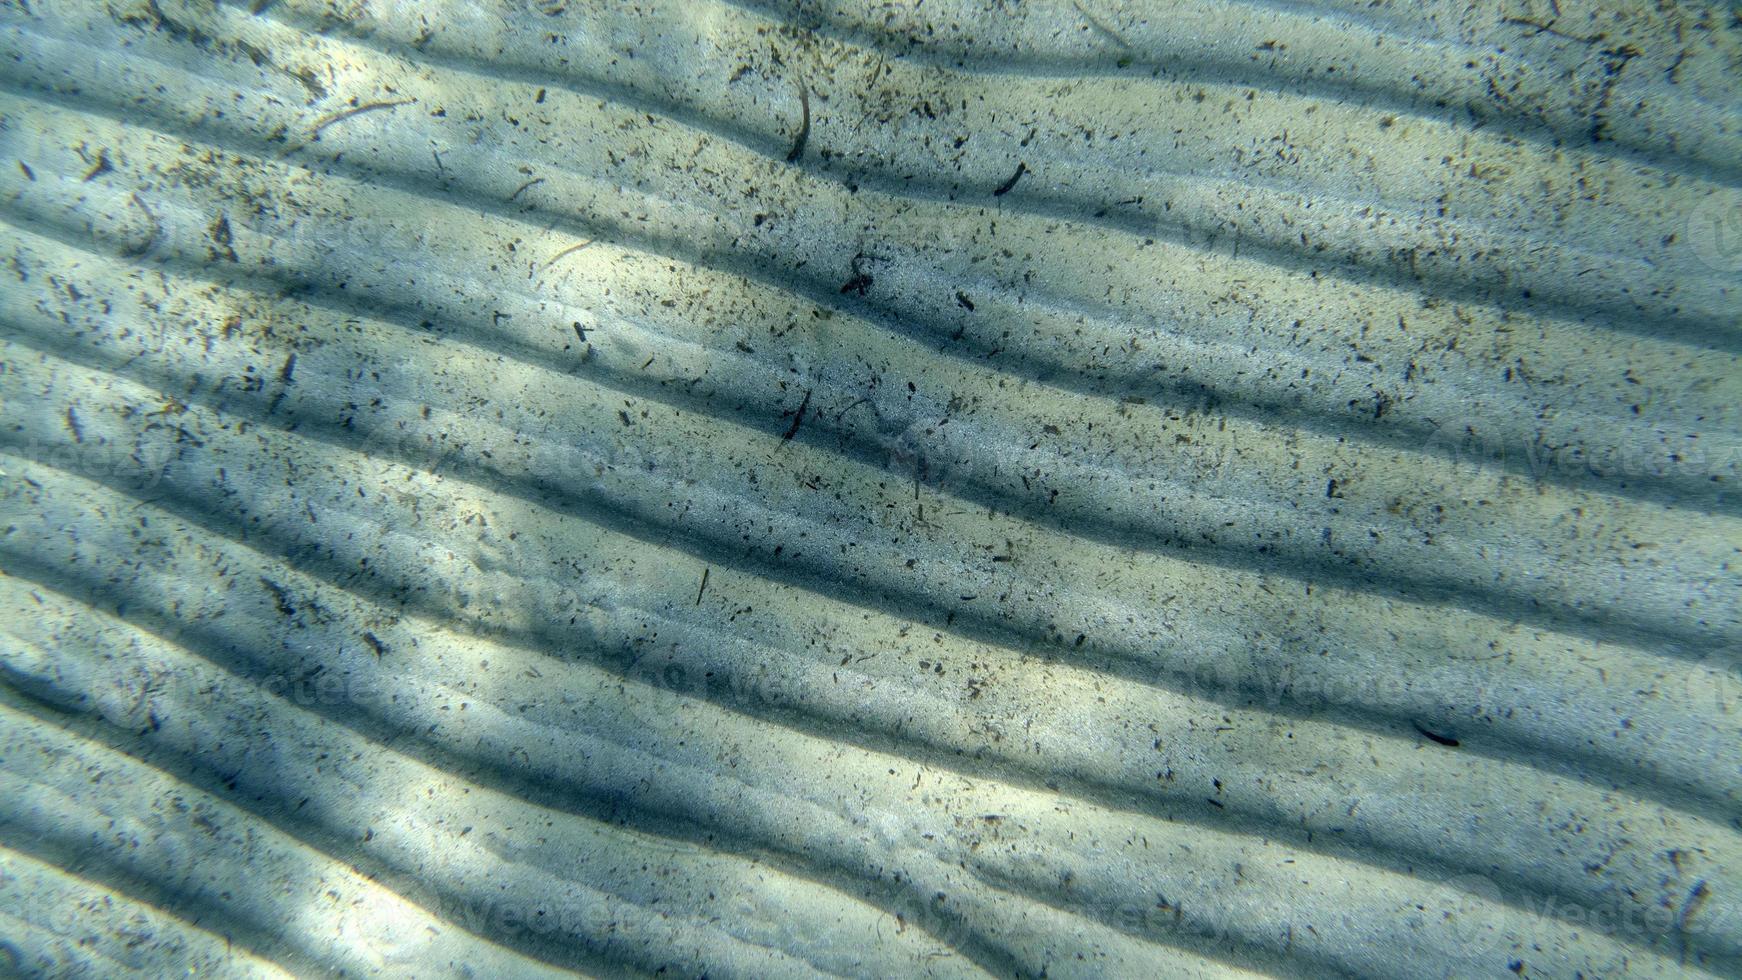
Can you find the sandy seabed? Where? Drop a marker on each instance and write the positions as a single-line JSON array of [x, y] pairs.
[[1069, 488]]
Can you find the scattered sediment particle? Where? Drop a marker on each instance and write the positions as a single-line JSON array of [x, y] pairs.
[[101, 167], [860, 283], [222, 239], [804, 129], [134, 251], [1696, 899], [281, 597]]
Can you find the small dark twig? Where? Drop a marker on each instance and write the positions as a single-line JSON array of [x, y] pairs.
[[572, 249], [1435, 737], [798, 417], [355, 111]]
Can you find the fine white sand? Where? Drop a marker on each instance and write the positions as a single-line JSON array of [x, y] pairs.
[[776, 488]]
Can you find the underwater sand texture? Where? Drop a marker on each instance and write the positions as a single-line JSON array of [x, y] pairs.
[[792, 488]]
